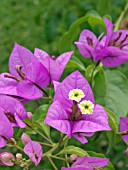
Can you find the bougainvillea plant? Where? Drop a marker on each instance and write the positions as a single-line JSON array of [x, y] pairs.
[[69, 106]]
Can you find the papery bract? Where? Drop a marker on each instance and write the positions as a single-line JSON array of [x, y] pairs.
[[6, 130], [54, 67], [25, 138], [6, 158], [88, 163], [113, 48], [124, 128], [14, 110], [34, 151], [65, 115], [27, 75], [86, 43]]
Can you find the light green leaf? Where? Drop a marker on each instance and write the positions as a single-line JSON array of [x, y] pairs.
[[116, 93], [74, 62], [73, 150]]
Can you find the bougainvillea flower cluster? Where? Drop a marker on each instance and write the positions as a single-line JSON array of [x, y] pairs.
[[74, 111], [32, 149], [112, 49], [88, 163]]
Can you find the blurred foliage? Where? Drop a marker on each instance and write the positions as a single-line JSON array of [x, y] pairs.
[[42, 24]]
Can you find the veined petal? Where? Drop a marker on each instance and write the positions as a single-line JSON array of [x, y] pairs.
[[57, 118], [109, 27], [62, 60], [12, 106], [87, 34], [40, 54], [80, 137], [112, 56], [124, 127], [7, 85], [85, 49], [28, 90], [20, 56], [6, 129], [38, 74], [97, 121]]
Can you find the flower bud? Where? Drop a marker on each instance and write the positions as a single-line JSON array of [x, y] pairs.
[[25, 138], [126, 152], [6, 158], [53, 57], [73, 157], [29, 115], [19, 156]]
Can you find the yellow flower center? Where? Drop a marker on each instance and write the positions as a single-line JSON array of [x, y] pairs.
[[86, 107], [76, 95]]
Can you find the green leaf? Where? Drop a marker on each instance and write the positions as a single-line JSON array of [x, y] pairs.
[[99, 87], [73, 150], [112, 119], [66, 41], [116, 93], [114, 126], [38, 119], [74, 62], [88, 72], [109, 166]]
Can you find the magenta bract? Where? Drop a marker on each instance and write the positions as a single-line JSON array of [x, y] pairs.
[[6, 130], [54, 67], [34, 151], [14, 110], [65, 116], [27, 75], [124, 128], [88, 163]]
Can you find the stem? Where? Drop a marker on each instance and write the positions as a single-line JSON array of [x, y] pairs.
[[123, 133], [16, 146], [45, 144], [54, 147], [43, 136], [65, 155], [50, 160], [92, 75], [45, 92], [117, 24], [56, 157]]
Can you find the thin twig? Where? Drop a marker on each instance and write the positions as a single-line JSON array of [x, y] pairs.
[[50, 160], [43, 136], [117, 24]]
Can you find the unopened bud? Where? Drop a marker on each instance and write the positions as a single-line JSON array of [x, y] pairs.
[[6, 158], [25, 138], [73, 157], [19, 156], [126, 152], [53, 57], [29, 115], [13, 141]]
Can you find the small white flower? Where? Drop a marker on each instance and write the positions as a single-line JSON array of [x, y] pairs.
[[76, 95], [86, 107]]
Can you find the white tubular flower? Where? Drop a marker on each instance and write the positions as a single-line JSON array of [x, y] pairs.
[[76, 95], [86, 107]]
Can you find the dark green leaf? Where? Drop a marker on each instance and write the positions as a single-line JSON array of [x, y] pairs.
[[99, 87]]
